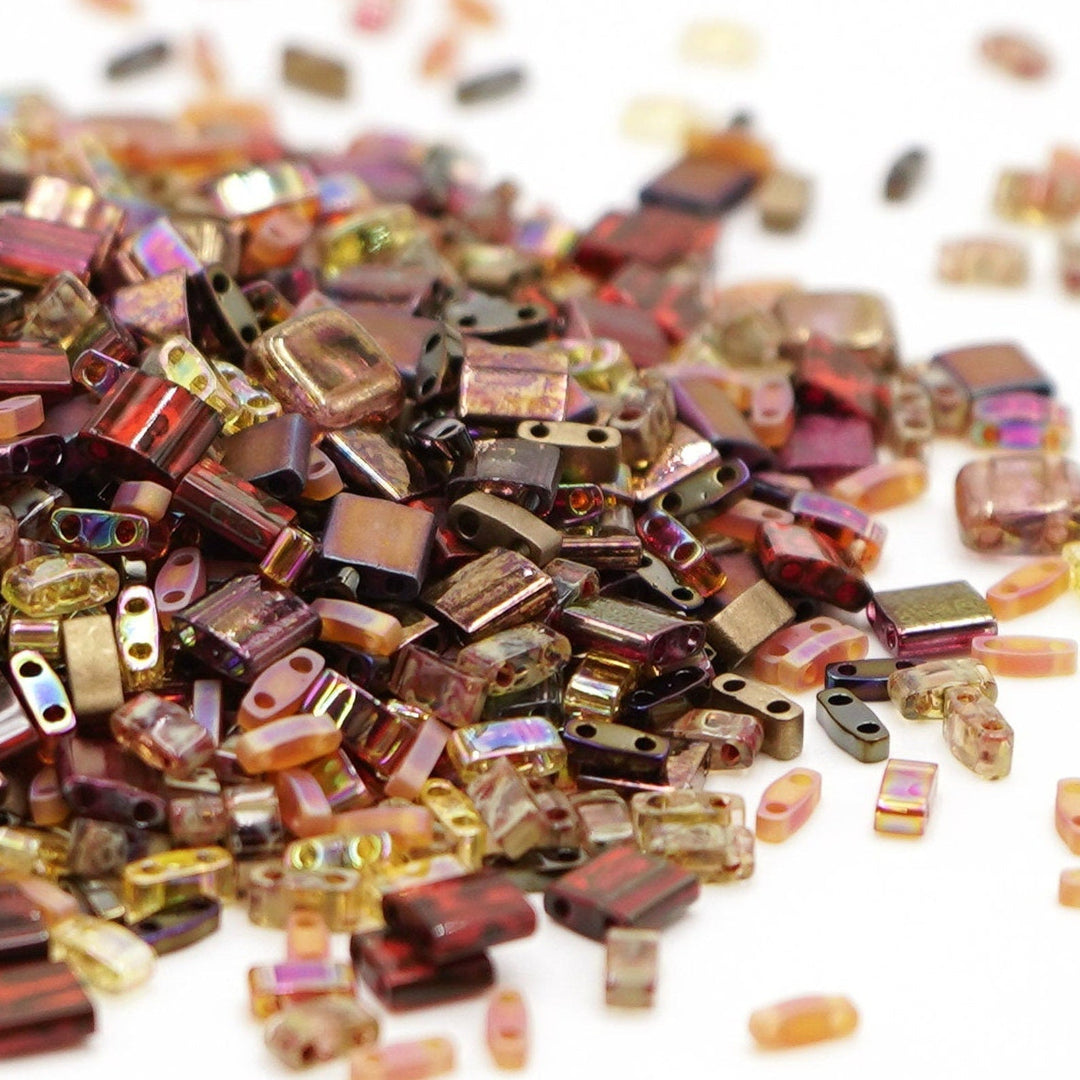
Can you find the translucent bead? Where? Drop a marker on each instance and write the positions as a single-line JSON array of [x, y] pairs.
[[59, 584], [308, 1034], [161, 881], [516, 659], [1030, 587], [1024, 656], [507, 1030], [631, 966], [883, 486], [1018, 503], [907, 790], [1069, 888], [786, 804], [1014, 54], [1067, 813], [531, 744], [720, 42], [273, 987], [976, 733], [108, 956], [1020, 420], [162, 733], [286, 742], [795, 658], [404, 1060], [803, 1020], [919, 691], [982, 260], [659, 119]]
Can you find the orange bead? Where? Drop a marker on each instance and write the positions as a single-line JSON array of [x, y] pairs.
[[1025, 657], [305, 810], [508, 1030], [19, 415], [795, 657], [803, 1020], [1069, 888], [279, 689], [286, 742], [1028, 588], [369, 630], [787, 804], [884, 485], [1067, 813], [307, 936]]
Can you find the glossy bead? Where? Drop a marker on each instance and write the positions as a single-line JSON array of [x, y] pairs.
[[977, 734], [162, 733], [176, 876], [735, 738], [339, 894], [274, 987], [852, 725], [786, 805], [631, 967], [1069, 888], [930, 620], [795, 658], [803, 1020], [1020, 420], [303, 1035], [418, 761], [425, 678], [1027, 657], [531, 744], [803, 560], [326, 367], [108, 956], [1028, 588], [503, 800], [516, 659], [287, 742], [1018, 503], [59, 584], [905, 797], [138, 639], [1067, 813], [598, 687], [305, 810], [404, 1060], [42, 1007], [455, 918], [919, 691]]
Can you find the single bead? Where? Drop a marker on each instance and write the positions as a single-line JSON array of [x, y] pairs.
[[59, 584], [1069, 888], [404, 1060], [907, 790], [108, 956], [803, 1020], [1023, 656], [786, 804], [507, 1030], [919, 691], [317, 1031], [162, 733], [631, 967], [307, 937], [286, 742], [795, 658], [1030, 587], [305, 809], [976, 733], [1067, 813], [883, 486]]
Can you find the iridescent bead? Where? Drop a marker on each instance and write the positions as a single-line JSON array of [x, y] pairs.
[[919, 691], [162, 733], [108, 956], [1029, 587], [803, 1020], [286, 742], [308, 1034], [1023, 656], [59, 584]]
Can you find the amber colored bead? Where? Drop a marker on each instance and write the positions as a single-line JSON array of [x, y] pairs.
[[59, 584], [1022, 656], [1014, 54], [983, 260], [287, 742], [795, 658], [305, 810], [108, 956], [803, 1020], [1067, 813], [404, 1060], [786, 804], [1069, 888], [365, 628], [1028, 588], [905, 797], [274, 987], [883, 486]]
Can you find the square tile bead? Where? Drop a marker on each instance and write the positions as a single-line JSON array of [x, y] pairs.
[[827, 448], [907, 790], [1018, 503], [930, 620], [993, 368], [42, 1007]]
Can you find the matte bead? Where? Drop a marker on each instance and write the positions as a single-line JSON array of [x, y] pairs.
[[883, 486], [404, 1060], [1027, 657], [631, 967], [1028, 588], [1067, 813], [1069, 888], [507, 1030], [365, 628], [305, 810], [786, 804], [280, 688], [286, 742], [803, 1020], [795, 658]]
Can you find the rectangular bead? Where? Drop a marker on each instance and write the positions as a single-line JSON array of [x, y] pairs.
[[930, 620], [903, 803], [631, 967], [42, 1007]]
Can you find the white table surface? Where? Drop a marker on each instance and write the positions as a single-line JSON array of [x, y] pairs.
[[953, 946]]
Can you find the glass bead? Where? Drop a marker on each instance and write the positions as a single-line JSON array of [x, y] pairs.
[[659, 119], [42, 1007], [735, 738], [531, 744], [786, 805], [162, 733], [977, 734], [883, 486], [309, 1034], [162, 881], [852, 725], [280, 688], [1069, 888], [340, 894], [1015, 54], [1028, 588], [804, 1020], [807, 562], [1067, 813], [404, 1060], [939, 619], [795, 658], [983, 260], [362, 627], [1023, 656], [418, 761], [605, 818], [26, 851], [919, 691], [455, 812], [904, 174], [59, 584], [905, 797], [277, 986], [631, 962], [425, 678], [286, 742], [503, 800], [1020, 420], [107, 956], [507, 1030], [516, 659], [305, 810], [597, 689]]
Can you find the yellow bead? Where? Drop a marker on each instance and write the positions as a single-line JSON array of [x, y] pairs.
[[803, 1020], [59, 584], [108, 956]]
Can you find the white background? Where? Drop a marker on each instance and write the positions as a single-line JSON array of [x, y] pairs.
[[953, 946]]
